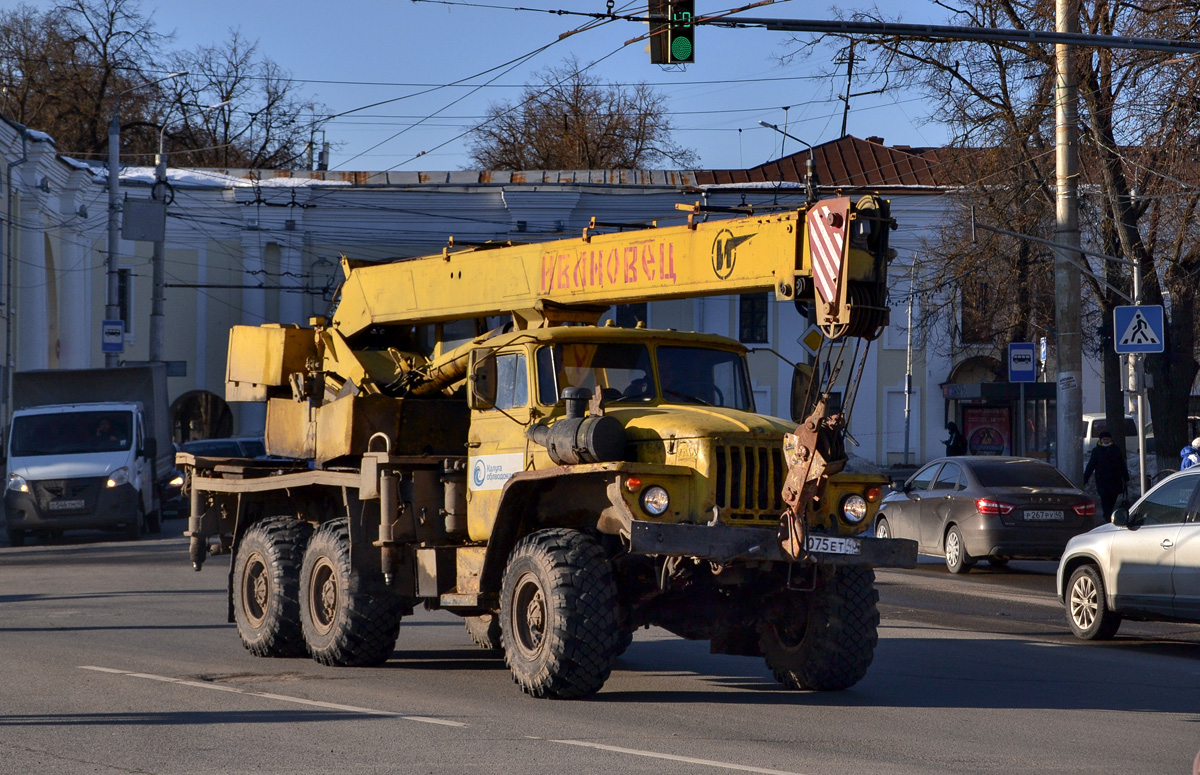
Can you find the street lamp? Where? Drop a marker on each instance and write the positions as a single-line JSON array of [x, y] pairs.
[[157, 297], [112, 304], [810, 165]]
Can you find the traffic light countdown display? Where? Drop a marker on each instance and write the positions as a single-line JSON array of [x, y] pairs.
[[673, 39]]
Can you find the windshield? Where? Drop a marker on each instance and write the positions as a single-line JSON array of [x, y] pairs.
[[695, 375], [71, 434], [1019, 475], [621, 371]]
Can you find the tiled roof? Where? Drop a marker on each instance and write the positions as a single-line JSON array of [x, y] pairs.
[[848, 161]]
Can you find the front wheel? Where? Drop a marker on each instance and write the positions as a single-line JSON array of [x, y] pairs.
[[560, 620], [1087, 609], [826, 638], [957, 559], [882, 528], [266, 587], [343, 628]]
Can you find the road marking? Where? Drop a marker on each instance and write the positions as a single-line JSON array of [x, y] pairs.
[[674, 758], [277, 697]]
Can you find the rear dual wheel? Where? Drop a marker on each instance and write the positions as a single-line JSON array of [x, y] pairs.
[[343, 626], [266, 583]]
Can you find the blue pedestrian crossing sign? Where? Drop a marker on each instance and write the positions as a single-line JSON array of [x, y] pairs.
[[1139, 329], [1021, 365]]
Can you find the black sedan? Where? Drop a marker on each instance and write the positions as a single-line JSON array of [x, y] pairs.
[[999, 508]]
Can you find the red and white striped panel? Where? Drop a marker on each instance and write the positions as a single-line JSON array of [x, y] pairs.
[[826, 238]]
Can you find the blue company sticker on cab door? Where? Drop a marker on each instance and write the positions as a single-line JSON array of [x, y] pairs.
[[490, 472]]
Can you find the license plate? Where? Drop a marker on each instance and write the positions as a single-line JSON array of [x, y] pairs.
[[833, 545], [65, 505], [1043, 516]]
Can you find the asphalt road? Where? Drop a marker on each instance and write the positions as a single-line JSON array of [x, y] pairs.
[[117, 658]]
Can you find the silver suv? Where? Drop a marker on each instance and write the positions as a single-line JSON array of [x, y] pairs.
[[1144, 565]]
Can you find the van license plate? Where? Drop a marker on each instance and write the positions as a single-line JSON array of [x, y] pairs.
[[66, 505], [833, 545], [1043, 516]]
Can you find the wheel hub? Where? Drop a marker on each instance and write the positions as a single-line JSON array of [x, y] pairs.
[[323, 596], [529, 614], [256, 590], [1084, 602]]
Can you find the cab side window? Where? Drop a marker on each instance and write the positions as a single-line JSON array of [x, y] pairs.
[[512, 381], [1168, 505]]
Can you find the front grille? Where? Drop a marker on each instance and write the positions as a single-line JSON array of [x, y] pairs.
[[61, 491], [749, 481]]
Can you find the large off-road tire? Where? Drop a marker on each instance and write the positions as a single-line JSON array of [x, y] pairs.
[[835, 642], [343, 628], [266, 587], [560, 619], [1087, 609], [484, 631]]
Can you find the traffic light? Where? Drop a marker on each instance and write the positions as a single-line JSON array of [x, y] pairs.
[[672, 34]]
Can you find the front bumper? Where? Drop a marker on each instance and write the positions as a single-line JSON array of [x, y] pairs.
[[725, 543], [109, 507]]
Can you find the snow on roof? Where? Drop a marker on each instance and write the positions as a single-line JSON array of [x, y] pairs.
[[197, 178]]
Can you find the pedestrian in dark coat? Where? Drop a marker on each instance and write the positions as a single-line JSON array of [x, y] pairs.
[[957, 443], [1107, 462]]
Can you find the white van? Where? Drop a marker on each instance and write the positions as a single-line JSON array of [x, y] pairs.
[[80, 467], [1095, 423]]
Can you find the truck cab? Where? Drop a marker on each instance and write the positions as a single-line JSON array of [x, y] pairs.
[[79, 467], [694, 448]]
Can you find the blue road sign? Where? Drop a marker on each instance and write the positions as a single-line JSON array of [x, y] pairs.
[[1139, 329], [112, 336], [1021, 365]]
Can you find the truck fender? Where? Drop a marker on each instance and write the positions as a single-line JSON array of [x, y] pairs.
[[554, 497]]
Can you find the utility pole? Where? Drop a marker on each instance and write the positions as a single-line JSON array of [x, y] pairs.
[[157, 261], [1066, 264]]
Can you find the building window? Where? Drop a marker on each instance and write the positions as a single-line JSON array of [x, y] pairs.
[[629, 315], [125, 299], [752, 318]]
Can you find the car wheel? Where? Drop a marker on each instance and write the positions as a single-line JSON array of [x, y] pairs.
[[1087, 609], [957, 559], [882, 528]]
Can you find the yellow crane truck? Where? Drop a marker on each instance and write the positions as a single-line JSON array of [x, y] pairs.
[[466, 437]]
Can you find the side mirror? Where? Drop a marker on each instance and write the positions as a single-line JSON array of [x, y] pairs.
[[803, 396], [1120, 517], [895, 486], [482, 379]]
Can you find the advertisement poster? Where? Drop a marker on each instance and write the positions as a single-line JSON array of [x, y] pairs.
[[988, 430]]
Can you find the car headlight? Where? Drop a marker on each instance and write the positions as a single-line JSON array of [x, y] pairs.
[[854, 509], [18, 483], [177, 481], [118, 478], [655, 500]]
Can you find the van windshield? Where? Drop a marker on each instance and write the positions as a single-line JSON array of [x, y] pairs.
[[71, 433]]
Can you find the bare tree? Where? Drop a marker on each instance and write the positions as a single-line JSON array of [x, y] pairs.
[[64, 72], [237, 108], [1138, 111], [568, 119]]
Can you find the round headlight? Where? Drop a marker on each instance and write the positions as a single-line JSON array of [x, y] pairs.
[[854, 509], [655, 500]]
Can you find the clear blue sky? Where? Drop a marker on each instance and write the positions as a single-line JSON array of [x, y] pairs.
[[355, 53]]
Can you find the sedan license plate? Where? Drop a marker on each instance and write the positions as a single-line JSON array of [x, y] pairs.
[[66, 505], [833, 545], [1044, 516]]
